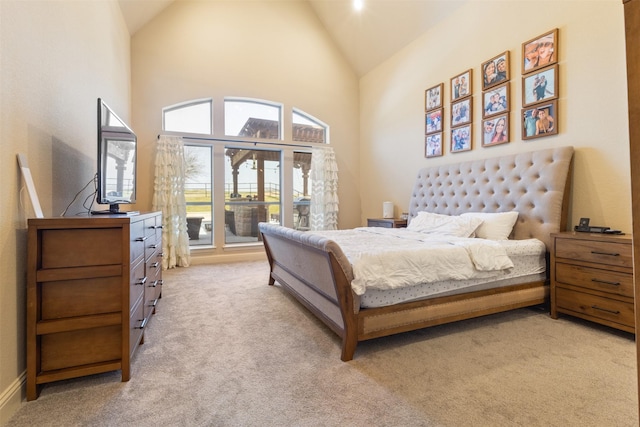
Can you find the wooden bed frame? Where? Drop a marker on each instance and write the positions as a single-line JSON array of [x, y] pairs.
[[317, 273]]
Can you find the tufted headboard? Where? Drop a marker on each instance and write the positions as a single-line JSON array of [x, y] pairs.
[[536, 184]]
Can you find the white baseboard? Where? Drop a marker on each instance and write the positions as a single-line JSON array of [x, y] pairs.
[[209, 258], [12, 398]]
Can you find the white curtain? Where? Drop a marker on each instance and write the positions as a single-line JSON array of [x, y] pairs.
[[168, 197], [324, 189]]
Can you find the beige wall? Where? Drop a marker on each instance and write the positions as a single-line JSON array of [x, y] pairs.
[[592, 104], [277, 51], [56, 59]]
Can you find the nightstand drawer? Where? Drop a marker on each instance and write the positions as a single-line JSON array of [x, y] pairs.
[[608, 253], [593, 306], [595, 279]]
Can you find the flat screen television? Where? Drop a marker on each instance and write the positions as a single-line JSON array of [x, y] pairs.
[[117, 149]]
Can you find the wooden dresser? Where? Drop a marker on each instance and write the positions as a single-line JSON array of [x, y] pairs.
[[92, 285], [592, 278]]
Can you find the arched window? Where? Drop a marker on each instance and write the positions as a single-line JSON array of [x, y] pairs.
[[306, 128], [252, 119], [264, 170], [189, 117]]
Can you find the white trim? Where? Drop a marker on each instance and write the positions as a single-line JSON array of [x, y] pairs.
[[12, 397], [211, 258]]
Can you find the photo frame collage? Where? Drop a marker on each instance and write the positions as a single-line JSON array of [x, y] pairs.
[[540, 86], [539, 100]]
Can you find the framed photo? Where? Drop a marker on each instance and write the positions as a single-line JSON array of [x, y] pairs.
[[540, 86], [540, 120], [433, 145], [495, 70], [461, 112], [540, 51], [495, 130], [433, 97], [461, 86], [461, 139], [495, 100], [433, 121]]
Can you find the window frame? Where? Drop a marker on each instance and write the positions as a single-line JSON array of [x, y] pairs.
[[186, 104], [312, 119], [219, 142], [278, 105]]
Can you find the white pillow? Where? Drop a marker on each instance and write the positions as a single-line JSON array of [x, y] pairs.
[[495, 226], [444, 225]]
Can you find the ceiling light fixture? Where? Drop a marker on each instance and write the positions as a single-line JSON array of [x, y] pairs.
[[358, 4]]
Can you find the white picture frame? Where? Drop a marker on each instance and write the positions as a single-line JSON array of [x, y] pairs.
[[31, 188]]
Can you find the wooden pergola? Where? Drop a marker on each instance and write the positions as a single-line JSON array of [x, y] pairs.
[[268, 129]]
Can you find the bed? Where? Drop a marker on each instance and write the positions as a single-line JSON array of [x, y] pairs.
[[315, 269]]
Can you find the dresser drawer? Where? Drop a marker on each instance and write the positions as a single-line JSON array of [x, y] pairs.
[[150, 226], [99, 345], [594, 306], [596, 279], [94, 295], [137, 283], [137, 240], [65, 248], [608, 253], [150, 247], [137, 323]]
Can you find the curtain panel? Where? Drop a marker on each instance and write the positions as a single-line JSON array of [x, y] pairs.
[[169, 198], [324, 189]]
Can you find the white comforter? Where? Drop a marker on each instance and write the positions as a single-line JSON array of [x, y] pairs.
[[389, 258]]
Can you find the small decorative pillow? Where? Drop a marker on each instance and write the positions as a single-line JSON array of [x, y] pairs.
[[444, 225], [495, 226]]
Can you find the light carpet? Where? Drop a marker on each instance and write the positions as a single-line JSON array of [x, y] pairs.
[[225, 349]]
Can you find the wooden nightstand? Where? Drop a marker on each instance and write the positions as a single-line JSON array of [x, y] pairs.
[[386, 222], [592, 278]]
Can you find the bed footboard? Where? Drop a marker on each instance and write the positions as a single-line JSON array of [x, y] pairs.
[[317, 273]]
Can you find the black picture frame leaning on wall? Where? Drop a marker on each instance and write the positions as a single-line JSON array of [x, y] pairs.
[[433, 97], [540, 120], [540, 86]]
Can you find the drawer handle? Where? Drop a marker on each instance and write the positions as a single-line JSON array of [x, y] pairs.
[[153, 303], [606, 282], [156, 227], [154, 246], [155, 265], [595, 307], [604, 253], [141, 239], [154, 284], [142, 281], [143, 324]]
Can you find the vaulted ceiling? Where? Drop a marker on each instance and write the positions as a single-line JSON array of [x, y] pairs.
[[366, 38]]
